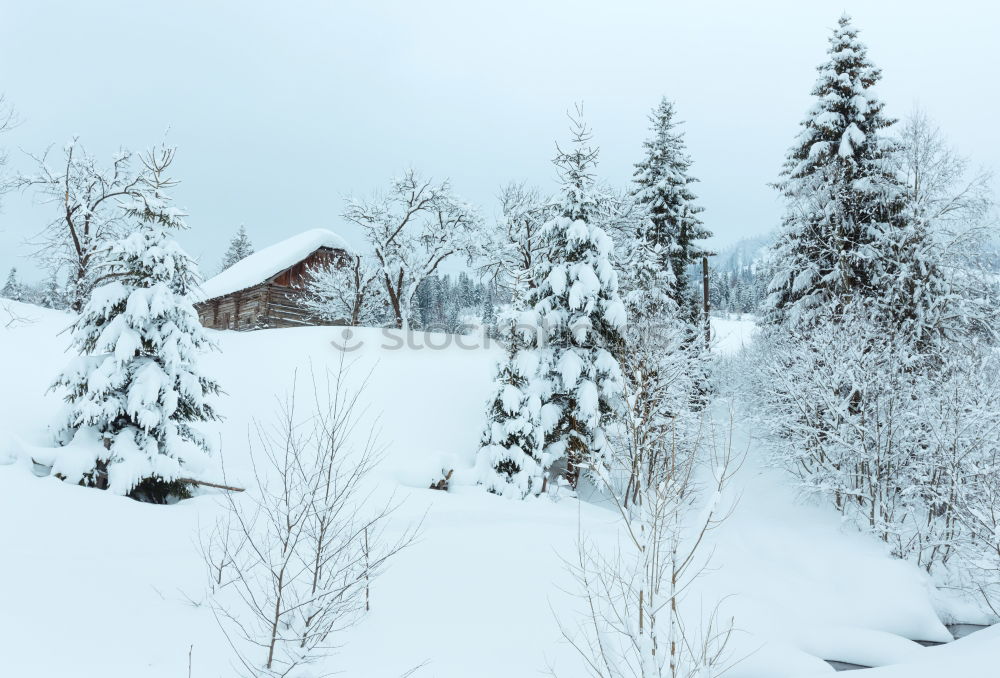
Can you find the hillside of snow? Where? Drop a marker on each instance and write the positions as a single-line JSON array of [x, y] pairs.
[[95, 585]]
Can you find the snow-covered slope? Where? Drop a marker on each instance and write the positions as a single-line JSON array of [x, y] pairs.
[[93, 585]]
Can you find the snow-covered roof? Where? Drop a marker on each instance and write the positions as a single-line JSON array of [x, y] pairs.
[[268, 262]]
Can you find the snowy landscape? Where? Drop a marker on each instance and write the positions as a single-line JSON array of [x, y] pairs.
[[578, 428]]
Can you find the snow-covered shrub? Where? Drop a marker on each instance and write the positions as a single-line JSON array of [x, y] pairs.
[[900, 442], [636, 622], [136, 388], [833, 405], [962, 417]]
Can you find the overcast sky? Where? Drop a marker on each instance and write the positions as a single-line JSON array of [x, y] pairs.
[[281, 109]]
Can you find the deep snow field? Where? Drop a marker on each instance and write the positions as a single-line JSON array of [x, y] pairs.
[[95, 585]]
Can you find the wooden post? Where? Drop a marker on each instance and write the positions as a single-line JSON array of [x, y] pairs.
[[707, 307]]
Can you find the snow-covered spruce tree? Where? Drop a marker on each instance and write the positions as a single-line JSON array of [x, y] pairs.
[[578, 318], [52, 293], [136, 387], [663, 339], [841, 191], [487, 313], [663, 189], [12, 288], [510, 460], [240, 248]]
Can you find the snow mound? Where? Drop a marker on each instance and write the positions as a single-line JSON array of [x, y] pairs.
[[269, 261]]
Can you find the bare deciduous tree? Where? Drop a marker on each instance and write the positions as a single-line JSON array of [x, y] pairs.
[[8, 120], [92, 205], [347, 290], [634, 624], [938, 180], [292, 568], [515, 243], [412, 229]]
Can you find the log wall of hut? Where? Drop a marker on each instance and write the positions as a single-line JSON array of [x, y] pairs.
[[276, 302]]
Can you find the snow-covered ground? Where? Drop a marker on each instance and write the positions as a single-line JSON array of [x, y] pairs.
[[732, 333], [94, 585]]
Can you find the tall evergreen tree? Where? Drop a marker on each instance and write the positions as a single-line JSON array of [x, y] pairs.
[[670, 235], [579, 317], [867, 374], [136, 387], [240, 248], [488, 312], [842, 193]]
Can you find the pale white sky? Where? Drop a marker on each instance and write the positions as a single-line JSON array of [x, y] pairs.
[[281, 109]]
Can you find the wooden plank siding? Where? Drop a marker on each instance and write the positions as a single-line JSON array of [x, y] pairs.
[[275, 302]]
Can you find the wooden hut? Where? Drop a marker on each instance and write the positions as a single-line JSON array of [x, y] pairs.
[[266, 288]]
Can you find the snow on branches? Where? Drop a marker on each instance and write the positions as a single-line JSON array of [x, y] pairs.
[[412, 228], [875, 372], [239, 249], [670, 237], [579, 318], [557, 387], [136, 388], [840, 189]]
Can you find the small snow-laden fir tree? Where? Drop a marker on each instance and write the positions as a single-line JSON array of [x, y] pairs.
[[672, 226], [136, 387], [841, 191], [510, 461], [240, 248], [578, 318], [12, 288], [53, 294]]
